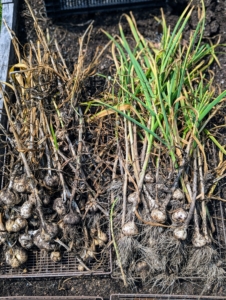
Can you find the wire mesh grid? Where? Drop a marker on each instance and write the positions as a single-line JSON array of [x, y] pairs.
[[39, 263], [160, 297]]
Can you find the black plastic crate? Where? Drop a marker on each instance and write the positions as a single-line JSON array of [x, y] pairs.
[[56, 8]]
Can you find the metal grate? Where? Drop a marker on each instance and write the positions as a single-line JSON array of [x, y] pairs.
[[40, 265], [51, 298], [160, 297], [56, 8]]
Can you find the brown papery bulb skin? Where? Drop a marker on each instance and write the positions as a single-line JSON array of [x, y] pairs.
[[26, 210], [72, 218], [133, 198], [129, 229], [59, 206], [158, 216], [180, 233], [179, 216], [198, 240], [9, 198]]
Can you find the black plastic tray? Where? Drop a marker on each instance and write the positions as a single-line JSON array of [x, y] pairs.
[[56, 8]]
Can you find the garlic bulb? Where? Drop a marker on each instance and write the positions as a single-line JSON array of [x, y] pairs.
[[15, 225], [133, 198], [72, 218], [129, 228], [80, 268], [41, 243], [9, 198], [59, 206], [51, 180], [198, 240], [20, 184], [26, 209], [149, 178], [180, 233], [50, 231], [178, 195], [15, 257], [26, 240], [158, 216], [179, 216], [55, 256]]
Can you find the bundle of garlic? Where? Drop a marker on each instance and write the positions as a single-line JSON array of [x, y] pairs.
[[53, 199]]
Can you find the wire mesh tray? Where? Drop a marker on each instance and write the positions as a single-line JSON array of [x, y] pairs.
[[58, 7], [39, 263], [52, 298], [160, 297]]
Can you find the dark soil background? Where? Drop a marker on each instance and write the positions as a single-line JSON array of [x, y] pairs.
[[67, 30]]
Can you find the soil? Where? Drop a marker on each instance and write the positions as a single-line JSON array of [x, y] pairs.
[[67, 30]]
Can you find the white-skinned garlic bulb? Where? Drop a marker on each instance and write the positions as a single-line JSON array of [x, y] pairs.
[[158, 216], [180, 233], [129, 229], [178, 195], [179, 215]]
